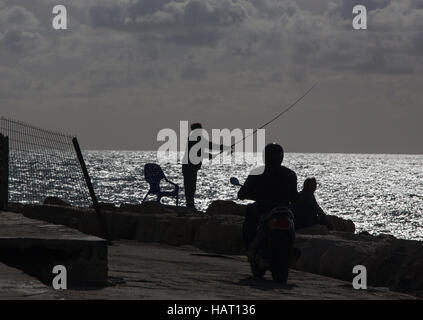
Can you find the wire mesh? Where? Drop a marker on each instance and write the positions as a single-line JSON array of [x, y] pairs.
[[42, 163]]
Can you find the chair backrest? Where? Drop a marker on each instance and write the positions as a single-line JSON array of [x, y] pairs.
[[153, 174]]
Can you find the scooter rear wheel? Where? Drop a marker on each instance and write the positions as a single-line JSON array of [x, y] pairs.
[[255, 267], [281, 257]]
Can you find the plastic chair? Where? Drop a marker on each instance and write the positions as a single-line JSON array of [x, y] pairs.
[[153, 174]]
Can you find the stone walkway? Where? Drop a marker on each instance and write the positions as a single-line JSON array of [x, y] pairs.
[[37, 246], [153, 271]]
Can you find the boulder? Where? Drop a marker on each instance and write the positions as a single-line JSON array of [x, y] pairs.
[[152, 207], [226, 207], [120, 225], [55, 201], [106, 206], [67, 216], [220, 235], [128, 207], [398, 264], [331, 256], [316, 229], [390, 262], [393, 263], [340, 224], [15, 207]]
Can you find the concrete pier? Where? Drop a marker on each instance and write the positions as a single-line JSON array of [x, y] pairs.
[[35, 247]]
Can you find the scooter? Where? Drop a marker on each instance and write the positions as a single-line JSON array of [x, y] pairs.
[[273, 247]]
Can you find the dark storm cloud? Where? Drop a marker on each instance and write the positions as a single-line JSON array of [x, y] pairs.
[[346, 6], [19, 42], [190, 22], [141, 14], [110, 17], [17, 16], [195, 38]]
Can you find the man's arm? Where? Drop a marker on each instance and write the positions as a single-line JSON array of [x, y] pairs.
[[293, 188], [247, 191], [317, 208]]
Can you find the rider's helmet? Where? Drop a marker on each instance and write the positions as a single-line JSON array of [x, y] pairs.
[[273, 154]]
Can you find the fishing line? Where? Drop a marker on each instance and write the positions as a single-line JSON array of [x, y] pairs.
[[276, 117]]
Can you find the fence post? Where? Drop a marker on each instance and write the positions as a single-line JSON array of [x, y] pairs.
[[101, 219], [4, 172]]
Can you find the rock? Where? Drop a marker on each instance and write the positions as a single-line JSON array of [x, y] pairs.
[[106, 206], [68, 216], [128, 207], [120, 225], [153, 207], [398, 264], [55, 201], [226, 207], [340, 224], [386, 236], [390, 262], [331, 256], [316, 229], [15, 207]]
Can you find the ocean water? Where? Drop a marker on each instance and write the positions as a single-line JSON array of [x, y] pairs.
[[380, 193]]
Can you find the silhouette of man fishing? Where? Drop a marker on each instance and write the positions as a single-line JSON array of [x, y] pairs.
[[275, 153], [193, 160]]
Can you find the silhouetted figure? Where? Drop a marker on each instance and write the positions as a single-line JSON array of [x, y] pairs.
[[275, 186], [191, 166], [190, 169], [307, 211]]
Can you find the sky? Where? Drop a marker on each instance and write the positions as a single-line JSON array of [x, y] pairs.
[[125, 69]]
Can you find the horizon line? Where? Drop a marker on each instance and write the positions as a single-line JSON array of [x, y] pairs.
[[299, 152]]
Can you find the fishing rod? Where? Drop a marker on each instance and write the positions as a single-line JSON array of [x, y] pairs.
[[276, 117]]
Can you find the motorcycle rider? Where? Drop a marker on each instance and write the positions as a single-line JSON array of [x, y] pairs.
[[271, 186]]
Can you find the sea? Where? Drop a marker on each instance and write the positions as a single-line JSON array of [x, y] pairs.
[[380, 193]]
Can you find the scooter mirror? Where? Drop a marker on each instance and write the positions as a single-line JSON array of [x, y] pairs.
[[235, 181]]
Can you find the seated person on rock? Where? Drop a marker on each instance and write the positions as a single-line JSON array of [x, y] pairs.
[[307, 211], [271, 186]]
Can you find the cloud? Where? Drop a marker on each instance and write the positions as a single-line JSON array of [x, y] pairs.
[[141, 14], [188, 22], [17, 17], [192, 70], [20, 42]]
